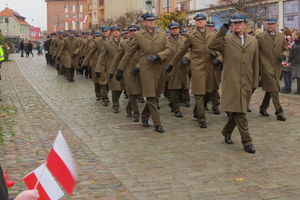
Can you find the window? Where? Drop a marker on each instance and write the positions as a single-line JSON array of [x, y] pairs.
[[81, 25], [66, 8], [66, 26], [81, 8], [1, 20], [166, 3], [73, 25], [74, 9]]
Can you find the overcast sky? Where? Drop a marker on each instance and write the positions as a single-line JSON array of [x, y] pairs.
[[34, 10]]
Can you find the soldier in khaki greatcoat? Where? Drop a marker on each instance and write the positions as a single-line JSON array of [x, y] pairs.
[[70, 50], [110, 48], [273, 50], [201, 64], [177, 75], [132, 82], [240, 76], [153, 51]]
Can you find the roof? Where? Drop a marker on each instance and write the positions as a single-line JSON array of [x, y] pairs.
[[7, 12]]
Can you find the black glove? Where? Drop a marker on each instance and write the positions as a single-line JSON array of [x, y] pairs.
[[216, 61], [169, 68], [227, 24], [110, 76], [153, 58], [98, 74], [281, 57], [135, 71], [185, 61], [119, 75], [214, 54]]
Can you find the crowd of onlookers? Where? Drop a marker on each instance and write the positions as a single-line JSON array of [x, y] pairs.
[[26, 47], [291, 67]]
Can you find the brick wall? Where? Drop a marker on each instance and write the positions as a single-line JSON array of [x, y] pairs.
[[60, 13]]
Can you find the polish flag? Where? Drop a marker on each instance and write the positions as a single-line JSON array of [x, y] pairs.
[[43, 181], [72, 19], [61, 164], [84, 19]]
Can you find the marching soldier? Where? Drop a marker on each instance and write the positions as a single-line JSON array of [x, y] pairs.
[[101, 72], [70, 49], [240, 76], [57, 54], [201, 64], [108, 52], [132, 81], [91, 58], [273, 50], [178, 79], [153, 51], [47, 45]]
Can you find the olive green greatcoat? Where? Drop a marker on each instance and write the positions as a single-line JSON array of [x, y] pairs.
[[202, 68], [240, 69], [69, 49], [153, 75], [110, 48], [178, 77], [270, 64], [132, 83]]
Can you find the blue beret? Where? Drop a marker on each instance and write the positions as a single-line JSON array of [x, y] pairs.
[[115, 28], [148, 16], [271, 20], [173, 25], [133, 28], [97, 33], [239, 18], [210, 24], [105, 28], [200, 16]]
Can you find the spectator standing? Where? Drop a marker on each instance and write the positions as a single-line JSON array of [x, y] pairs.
[[294, 59]]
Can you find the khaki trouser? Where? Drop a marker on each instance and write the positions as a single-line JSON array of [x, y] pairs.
[[214, 97], [97, 90], [185, 96], [275, 99], [115, 96], [239, 120], [104, 92], [70, 73], [199, 108], [174, 98], [132, 106], [151, 109]]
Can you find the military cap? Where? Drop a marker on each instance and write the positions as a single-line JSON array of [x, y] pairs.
[[88, 33], [148, 17], [125, 31], [200, 16], [105, 28], [115, 28], [71, 32], [167, 31], [183, 32], [173, 25], [271, 20], [65, 35], [60, 33], [210, 24], [133, 28], [97, 33], [239, 18], [78, 35]]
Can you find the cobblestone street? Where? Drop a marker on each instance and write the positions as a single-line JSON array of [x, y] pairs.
[[119, 159]]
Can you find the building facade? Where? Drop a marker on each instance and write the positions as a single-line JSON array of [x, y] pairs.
[[64, 15], [287, 12], [13, 25], [35, 33]]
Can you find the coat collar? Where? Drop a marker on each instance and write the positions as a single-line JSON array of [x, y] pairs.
[[199, 35], [148, 35], [235, 38]]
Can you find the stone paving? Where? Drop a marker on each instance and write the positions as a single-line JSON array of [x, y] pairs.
[[118, 159]]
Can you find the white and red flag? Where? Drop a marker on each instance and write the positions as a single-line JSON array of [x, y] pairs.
[[61, 164], [73, 19], [84, 20], [43, 181]]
